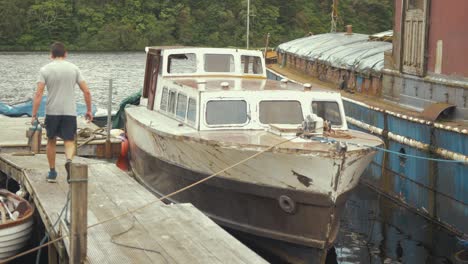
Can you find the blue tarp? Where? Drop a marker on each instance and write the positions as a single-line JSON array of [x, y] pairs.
[[25, 108]]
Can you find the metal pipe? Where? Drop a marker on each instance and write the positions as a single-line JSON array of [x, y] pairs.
[[109, 110], [408, 141]]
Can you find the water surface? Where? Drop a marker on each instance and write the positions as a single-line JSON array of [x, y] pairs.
[[19, 71]]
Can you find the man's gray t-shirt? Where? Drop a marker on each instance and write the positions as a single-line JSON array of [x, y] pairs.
[[60, 78]]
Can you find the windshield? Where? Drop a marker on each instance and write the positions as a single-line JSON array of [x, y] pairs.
[[223, 112], [281, 112], [328, 111]]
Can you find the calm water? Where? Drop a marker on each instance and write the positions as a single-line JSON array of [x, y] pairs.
[[373, 229], [18, 74]]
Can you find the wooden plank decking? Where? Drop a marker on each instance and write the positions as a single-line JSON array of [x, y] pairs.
[[164, 233], [13, 138]]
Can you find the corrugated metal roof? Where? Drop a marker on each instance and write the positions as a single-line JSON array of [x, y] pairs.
[[339, 50]]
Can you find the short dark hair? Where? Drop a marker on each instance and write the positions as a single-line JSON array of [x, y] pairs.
[[57, 49]]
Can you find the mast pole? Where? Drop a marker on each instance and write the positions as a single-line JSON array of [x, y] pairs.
[[334, 16], [248, 23]]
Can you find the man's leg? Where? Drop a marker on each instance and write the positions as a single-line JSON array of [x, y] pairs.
[[69, 149], [68, 134], [51, 147]]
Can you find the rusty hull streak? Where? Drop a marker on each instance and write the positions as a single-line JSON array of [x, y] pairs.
[[353, 161], [306, 181], [339, 172]]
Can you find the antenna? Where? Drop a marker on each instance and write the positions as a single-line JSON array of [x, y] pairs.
[[248, 23]]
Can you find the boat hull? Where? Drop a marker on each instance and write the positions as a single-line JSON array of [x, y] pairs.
[[15, 238], [244, 206], [15, 234], [257, 197]]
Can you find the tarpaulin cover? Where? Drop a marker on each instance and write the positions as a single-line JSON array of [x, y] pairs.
[[25, 108], [351, 52], [119, 119]]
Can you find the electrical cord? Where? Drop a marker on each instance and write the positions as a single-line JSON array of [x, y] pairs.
[[46, 237]]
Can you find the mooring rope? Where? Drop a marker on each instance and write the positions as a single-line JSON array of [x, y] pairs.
[[154, 201], [323, 139]]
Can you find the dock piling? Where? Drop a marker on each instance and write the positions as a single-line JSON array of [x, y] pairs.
[[79, 213], [109, 122]]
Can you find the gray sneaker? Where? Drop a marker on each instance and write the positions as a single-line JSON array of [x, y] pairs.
[[52, 176]]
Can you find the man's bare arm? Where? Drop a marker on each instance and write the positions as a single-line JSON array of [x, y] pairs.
[[37, 99], [87, 96]]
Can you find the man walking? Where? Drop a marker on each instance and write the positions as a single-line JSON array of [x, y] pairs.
[[60, 77]]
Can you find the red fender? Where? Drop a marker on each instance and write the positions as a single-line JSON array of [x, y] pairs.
[[122, 161]]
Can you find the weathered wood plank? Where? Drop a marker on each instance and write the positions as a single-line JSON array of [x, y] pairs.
[[14, 140], [158, 233]]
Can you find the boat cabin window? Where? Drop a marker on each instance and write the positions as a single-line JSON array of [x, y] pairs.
[[224, 112], [219, 63], [328, 111], [251, 64], [182, 63], [192, 110], [181, 106], [164, 96], [281, 112], [172, 102]]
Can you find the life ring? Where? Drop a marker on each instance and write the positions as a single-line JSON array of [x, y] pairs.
[[287, 204]]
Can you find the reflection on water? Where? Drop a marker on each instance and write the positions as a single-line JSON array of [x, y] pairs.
[[374, 230], [19, 70]]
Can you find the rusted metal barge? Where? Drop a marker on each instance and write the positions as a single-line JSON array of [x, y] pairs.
[[413, 96]]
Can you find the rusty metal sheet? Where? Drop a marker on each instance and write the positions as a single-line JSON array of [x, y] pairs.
[[435, 110]]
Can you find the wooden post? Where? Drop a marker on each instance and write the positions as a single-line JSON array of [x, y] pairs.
[[79, 213], [109, 120], [53, 254]]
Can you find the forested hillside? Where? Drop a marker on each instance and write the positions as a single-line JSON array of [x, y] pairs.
[[134, 24]]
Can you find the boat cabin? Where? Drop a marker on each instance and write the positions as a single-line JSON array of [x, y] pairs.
[[213, 89]]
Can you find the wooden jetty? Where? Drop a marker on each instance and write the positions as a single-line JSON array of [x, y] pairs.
[[159, 233], [13, 138]]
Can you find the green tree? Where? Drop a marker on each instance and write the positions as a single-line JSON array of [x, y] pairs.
[[134, 24]]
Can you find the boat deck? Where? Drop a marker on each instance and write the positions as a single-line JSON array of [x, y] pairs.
[[13, 138], [158, 233]]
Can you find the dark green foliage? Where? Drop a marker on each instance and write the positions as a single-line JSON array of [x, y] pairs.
[[134, 24]]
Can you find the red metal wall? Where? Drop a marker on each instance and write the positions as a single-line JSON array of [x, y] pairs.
[[396, 33], [449, 23], [397, 16]]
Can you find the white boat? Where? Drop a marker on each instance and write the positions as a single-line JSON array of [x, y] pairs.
[[15, 226], [208, 109]]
